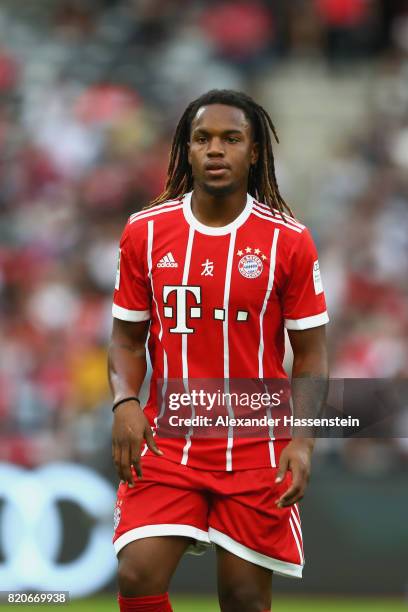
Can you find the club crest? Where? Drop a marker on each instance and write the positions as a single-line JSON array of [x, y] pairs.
[[250, 266], [116, 517]]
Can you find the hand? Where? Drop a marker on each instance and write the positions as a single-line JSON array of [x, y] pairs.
[[295, 457], [130, 429]]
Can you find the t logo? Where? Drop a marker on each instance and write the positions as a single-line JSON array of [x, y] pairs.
[[181, 307]]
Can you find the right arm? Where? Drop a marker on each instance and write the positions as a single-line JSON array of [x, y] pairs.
[[126, 370]]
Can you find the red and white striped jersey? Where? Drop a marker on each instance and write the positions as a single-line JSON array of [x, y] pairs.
[[218, 300]]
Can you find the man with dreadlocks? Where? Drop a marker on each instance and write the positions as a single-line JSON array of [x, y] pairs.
[[214, 270]]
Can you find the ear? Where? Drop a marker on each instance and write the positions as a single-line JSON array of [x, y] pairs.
[[254, 153], [188, 153]]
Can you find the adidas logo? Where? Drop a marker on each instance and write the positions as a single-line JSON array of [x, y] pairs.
[[167, 261]]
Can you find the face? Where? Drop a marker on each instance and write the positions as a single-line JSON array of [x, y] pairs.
[[221, 149]]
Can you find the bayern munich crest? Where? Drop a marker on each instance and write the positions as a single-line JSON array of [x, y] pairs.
[[116, 517], [250, 265]]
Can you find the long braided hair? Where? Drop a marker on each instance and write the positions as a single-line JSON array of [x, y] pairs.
[[262, 183]]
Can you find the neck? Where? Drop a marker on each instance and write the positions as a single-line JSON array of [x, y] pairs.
[[214, 210]]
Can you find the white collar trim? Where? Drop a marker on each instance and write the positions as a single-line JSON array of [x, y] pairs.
[[215, 231]]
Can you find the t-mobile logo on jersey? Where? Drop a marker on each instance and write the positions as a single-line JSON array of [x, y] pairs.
[[181, 307], [219, 314]]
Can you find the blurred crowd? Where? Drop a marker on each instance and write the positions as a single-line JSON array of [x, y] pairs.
[[90, 92]]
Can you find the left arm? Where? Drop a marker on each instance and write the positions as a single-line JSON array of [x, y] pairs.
[[309, 392]]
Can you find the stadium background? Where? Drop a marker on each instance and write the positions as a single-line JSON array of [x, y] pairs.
[[90, 92]]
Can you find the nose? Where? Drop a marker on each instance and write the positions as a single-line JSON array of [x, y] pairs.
[[215, 148]]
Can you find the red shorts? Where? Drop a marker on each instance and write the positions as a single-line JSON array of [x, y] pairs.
[[235, 510]]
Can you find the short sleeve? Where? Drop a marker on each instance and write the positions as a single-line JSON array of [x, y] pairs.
[[303, 300], [131, 299]]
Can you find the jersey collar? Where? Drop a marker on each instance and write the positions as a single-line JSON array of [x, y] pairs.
[[215, 231]]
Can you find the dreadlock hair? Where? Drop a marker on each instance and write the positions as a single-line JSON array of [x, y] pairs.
[[262, 183]]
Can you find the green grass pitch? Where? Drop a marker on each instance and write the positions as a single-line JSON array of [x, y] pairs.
[[202, 604]]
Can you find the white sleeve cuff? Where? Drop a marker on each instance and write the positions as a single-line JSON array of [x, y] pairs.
[[130, 315], [307, 322]]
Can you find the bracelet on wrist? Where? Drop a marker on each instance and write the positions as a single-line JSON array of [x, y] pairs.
[[125, 399]]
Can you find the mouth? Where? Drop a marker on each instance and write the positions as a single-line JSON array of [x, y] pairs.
[[216, 170]]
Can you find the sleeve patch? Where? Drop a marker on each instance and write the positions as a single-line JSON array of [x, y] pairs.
[[117, 281], [317, 279]]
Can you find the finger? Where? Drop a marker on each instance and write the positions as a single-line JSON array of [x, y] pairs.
[[138, 468], [136, 453], [296, 489], [297, 497], [290, 497], [150, 441], [125, 462], [283, 468], [116, 460]]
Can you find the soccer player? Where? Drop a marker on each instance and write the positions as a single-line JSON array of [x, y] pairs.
[[212, 272]]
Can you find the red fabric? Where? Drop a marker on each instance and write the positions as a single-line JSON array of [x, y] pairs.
[[9, 72], [342, 12], [267, 271], [174, 499], [239, 29], [149, 603], [105, 102]]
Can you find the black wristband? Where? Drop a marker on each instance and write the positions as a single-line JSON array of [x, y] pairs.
[[125, 399]]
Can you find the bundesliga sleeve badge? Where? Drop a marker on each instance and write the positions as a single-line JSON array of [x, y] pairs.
[[317, 279], [117, 280]]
